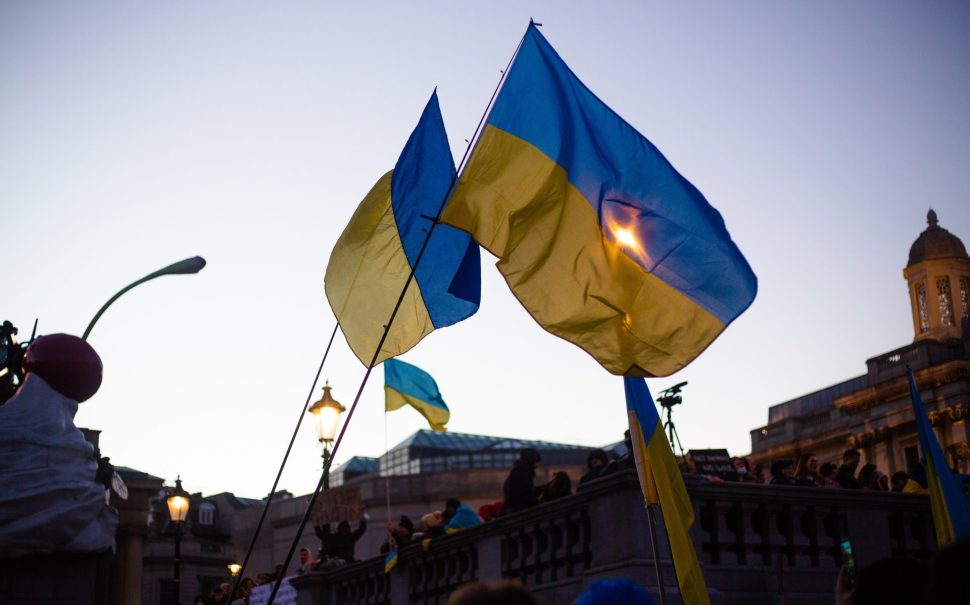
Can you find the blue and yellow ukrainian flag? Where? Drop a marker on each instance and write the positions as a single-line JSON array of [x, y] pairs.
[[598, 236], [951, 509], [372, 259], [390, 561], [405, 384], [663, 485]]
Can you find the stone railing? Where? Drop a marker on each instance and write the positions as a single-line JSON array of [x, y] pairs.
[[756, 543]]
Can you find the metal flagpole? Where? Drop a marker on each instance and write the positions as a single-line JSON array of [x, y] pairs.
[[656, 553], [387, 328], [279, 473]]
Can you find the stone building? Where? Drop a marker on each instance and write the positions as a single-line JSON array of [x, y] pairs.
[[415, 477], [872, 412]]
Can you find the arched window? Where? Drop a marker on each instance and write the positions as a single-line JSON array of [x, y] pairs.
[[207, 513], [965, 296], [945, 301], [924, 320]]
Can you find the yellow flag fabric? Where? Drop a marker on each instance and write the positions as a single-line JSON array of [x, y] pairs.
[[663, 485], [391, 233], [364, 278]]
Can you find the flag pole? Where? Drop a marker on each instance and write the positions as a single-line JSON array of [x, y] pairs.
[[656, 552], [387, 328], [272, 492]]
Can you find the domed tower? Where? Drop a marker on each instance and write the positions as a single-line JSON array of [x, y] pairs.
[[938, 275]]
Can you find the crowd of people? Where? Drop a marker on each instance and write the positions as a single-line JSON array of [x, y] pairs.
[[521, 493], [805, 471]]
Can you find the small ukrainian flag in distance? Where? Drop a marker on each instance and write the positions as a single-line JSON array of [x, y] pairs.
[[405, 384], [390, 561]]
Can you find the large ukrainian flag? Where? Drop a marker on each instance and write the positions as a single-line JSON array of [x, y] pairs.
[[372, 259], [951, 509], [405, 384], [663, 485], [598, 236]]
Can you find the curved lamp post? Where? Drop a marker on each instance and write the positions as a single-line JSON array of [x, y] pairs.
[[326, 416], [178, 510], [183, 267]]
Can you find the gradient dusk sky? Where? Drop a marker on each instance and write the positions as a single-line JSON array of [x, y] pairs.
[[138, 134]]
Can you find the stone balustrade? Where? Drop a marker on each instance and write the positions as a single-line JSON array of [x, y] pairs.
[[756, 544]]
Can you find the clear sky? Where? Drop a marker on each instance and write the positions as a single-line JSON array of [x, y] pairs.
[[133, 135]]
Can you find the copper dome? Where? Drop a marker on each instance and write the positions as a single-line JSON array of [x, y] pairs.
[[935, 242]]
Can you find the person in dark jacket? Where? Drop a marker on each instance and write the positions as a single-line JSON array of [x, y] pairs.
[[340, 544], [559, 486], [782, 472], [519, 489], [846, 475], [398, 535], [598, 464]]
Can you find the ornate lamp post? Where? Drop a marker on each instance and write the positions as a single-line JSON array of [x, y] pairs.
[[178, 510], [326, 415]]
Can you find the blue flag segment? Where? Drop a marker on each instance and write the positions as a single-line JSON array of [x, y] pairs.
[[405, 384], [951, 509], [597, 234], [422, 177], [663, 486], [376, 252]]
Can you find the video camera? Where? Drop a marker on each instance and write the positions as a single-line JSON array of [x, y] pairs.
[[671, 397]]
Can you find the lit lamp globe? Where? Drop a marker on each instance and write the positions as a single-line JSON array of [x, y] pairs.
[[234, 569], [178, 503], [326, 414]]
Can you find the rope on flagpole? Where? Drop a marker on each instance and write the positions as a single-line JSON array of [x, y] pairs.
[[390, 321], [279, 473]]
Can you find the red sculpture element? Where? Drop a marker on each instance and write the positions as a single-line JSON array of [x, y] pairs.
[[67, 363]]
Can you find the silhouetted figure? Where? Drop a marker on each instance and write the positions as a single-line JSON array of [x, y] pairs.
[[503, 593], [340, 544], [519, 489], [597, 463], [846, 475], [558, 487]]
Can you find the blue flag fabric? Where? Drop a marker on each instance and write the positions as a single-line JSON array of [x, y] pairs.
[[373, 257], [951, 509]]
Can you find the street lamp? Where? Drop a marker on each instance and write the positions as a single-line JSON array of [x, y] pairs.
[[178, 510], [234, 569], [183, 267], [326, 414]]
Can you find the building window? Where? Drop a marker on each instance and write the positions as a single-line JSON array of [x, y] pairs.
[[965, 296], [911, 454], [945, 301], [924, 320], [207, 513]]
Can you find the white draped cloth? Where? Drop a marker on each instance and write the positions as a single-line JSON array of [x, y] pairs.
[[49, 501]]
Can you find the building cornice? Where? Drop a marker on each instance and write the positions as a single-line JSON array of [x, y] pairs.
[[896, 388]]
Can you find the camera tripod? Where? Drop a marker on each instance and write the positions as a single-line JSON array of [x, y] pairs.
[[671, 430]]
